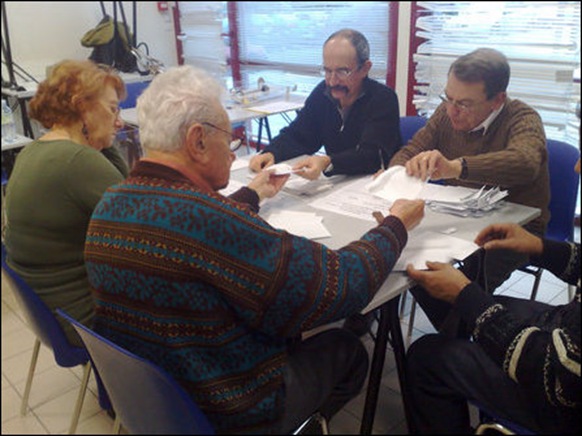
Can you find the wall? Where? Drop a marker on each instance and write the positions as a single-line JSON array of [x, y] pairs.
[[43, 33]]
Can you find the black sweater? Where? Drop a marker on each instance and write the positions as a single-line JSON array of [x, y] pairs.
[[353, 144]]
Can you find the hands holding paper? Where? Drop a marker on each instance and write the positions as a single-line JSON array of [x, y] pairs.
[[267, 185], [261, 161], [312, 166], [442, 280], [509, 236], [433, 165]]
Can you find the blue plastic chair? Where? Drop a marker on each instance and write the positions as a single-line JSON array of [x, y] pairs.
[[564, 183], [49, 332], [146, 399], [409, 126], [134, 90]]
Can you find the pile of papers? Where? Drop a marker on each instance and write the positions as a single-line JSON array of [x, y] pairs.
[[473, 205], [306, 224]]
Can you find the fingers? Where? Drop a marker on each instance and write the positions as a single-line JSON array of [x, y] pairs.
[[378, 216]]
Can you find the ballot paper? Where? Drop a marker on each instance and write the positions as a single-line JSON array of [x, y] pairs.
[[282, 169], [395, 183], [432, 246], [306, 224], [304, 187]]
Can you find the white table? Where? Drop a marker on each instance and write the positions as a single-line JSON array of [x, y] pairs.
[[345, 229], [20, 141], [239, 114]]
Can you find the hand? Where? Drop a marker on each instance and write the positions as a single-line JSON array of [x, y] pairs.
[[267, 185], [261, 161], [442, 280], [313, 166], [433, 165], [509, 236], [410, 212]]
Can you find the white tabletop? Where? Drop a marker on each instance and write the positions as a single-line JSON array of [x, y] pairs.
[[345, 229], [20, 141]]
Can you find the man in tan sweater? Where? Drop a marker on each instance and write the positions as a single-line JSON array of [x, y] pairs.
[[479, 136]]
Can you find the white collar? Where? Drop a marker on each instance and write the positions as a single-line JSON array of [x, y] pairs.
[[488, 121]]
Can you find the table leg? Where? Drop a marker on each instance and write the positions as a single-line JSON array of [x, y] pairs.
[[388, 329]]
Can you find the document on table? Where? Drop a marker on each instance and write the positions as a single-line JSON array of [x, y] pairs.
[[432, 246], [353, 200], [240, 162], [306, 224]]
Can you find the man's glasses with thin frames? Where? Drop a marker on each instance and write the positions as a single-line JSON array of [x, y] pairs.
[[235, 143]]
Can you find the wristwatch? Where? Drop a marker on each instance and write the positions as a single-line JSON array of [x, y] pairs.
[[328, 170]]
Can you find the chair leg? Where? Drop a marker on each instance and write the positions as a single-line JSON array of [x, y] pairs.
[[411, 319], [403, 303], [33, 360], [80, 398]]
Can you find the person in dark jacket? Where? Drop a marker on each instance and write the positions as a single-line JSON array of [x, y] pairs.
[[523, 362], [355, 118]]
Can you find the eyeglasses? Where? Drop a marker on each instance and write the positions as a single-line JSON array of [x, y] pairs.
[[341, 73], [235, 143], [463, 107]]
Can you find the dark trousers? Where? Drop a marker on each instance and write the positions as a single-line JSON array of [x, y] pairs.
[[324, 372], [488, 268], [444, 373]]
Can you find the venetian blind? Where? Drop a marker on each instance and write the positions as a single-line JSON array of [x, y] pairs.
[[540, 39], [202, 29], [282, 41]]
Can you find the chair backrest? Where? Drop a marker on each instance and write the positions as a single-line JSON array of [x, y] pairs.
[[409, 126], [144, 396], [564, 183], [134, 90], [43, 321]]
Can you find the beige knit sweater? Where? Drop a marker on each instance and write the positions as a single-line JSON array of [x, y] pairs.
[[511, 154]]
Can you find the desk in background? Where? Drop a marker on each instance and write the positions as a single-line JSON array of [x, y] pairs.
[[239, 114], [345, 229]]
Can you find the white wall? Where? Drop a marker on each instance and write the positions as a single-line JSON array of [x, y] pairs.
[[43, 33]]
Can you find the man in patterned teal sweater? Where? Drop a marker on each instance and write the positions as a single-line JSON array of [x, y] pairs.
[[201, 285]]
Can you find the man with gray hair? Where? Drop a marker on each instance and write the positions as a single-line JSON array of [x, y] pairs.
[[354, 117], [201, 285], [478, 136]]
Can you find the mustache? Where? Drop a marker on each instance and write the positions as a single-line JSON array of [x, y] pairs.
[[338, 88]]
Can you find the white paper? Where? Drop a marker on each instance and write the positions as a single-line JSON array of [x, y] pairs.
[[394, 183], [431, 246], [275, 107], [239, 163], [353, 200], [306, 224], [282, 169]]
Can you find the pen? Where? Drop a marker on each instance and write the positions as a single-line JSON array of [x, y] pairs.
[[381, 159]]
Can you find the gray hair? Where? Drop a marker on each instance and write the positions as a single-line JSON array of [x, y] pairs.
[[483, 65], [174, 101], [358, 41]]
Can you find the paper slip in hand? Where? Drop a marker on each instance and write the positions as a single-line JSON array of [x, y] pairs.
[[394, 183], [282, 169], [434, 247]]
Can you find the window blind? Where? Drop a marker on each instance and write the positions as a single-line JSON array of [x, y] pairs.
[[540, 40]]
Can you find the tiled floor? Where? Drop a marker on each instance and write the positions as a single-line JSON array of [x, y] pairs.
[[54, 389]]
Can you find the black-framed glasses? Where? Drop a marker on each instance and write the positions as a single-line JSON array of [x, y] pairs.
[[341, 73], [235, 143]]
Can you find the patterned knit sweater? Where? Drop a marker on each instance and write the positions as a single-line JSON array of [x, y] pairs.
[[543, 357], [512, 154], [201, 285]]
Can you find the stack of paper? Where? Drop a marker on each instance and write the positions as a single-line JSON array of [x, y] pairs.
[[475, 205], [306, 224]]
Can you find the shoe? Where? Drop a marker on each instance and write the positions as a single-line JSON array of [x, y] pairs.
[[359, 324]]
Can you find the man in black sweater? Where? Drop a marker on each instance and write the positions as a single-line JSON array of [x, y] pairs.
[[355, 118]]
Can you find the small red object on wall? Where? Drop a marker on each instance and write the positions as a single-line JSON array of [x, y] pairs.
[[162, 6]]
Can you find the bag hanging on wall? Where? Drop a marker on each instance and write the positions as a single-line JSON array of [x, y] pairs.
[[111, 42]]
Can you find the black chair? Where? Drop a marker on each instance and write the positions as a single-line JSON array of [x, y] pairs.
[[146, 399], [44, 324], [564, 183], [409, 125]]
